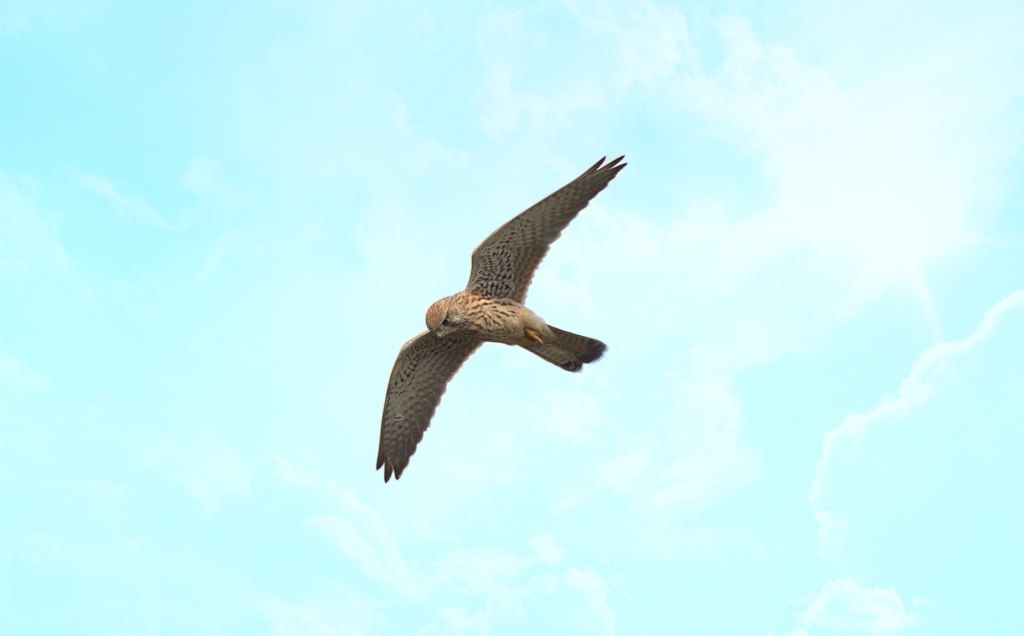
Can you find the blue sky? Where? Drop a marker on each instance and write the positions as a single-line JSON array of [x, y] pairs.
[[218, 225]]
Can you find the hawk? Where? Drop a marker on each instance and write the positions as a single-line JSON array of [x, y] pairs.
[[490, 309]]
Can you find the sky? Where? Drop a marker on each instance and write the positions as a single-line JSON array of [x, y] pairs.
[[219, 222]]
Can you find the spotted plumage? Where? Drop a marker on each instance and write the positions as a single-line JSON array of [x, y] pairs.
[[490, 309]]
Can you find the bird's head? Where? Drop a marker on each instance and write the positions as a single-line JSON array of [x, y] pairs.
[[443, 317]]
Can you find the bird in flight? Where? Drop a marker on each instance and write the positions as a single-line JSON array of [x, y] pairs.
[[490, 309]]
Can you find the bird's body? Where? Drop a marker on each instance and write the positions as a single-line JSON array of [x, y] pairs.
[[501, 320], [490, 309]]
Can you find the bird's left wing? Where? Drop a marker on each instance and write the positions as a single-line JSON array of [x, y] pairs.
[[503, 265], [419, 378]]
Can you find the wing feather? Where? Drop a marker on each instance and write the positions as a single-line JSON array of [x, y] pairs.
[[419, 378], [504, 264]]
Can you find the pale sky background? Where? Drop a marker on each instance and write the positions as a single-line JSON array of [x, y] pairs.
[[219, 224]]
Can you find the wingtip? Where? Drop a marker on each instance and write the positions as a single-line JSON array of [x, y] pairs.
[[381, 463], [597, 166], [390, 470], [615, 164]]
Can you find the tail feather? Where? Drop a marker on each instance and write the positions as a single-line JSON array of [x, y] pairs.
[[568, 350]]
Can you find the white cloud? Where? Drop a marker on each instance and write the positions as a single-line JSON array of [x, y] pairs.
[[915, 389], [476, 589], [627, 46], [832, 533], [379, 559], [507, 594], [699, 455], [648, 41], [705, 451], [480, 570], [334, 612], [358, 532], [458, 620], [547, 549], [846, 606], [884, 172], [130, 206], [888, 498], [506, 104], [620, 475], [595, 590]]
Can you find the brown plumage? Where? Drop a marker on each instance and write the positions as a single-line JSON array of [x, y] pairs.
[[490, 309]]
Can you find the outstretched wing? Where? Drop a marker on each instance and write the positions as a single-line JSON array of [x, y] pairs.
[[418, 380], [503, 265]]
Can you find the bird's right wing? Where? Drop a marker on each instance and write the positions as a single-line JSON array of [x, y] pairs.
[[419, 378], [503, 265]]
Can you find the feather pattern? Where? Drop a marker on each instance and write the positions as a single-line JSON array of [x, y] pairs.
[[504, 264], [419, 378]]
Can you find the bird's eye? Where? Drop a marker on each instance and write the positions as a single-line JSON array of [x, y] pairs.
[[444, 322]]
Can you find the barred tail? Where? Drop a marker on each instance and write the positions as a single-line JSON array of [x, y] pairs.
[[569, 350]]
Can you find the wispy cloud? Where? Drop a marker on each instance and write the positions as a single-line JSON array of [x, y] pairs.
[[505, 590], [620, 474], [547, 549], [480, 570], [595, 590], [476, 588], [710, 455], [358, 532], [694, 455], [910, 459], [844, 605], [634, 48], [335, 612], [889, 183], [915, 389], [129, 206], [832, 533], [646, 43]]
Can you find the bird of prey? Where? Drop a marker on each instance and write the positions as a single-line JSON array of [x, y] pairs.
[[490, 309]]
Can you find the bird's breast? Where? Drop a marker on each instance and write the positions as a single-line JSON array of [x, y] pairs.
[[502, 320]]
